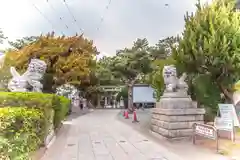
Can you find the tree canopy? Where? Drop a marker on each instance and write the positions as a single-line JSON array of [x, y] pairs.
[[163, 48], [104, 73], [160, 54], [209, 51], [20, 43], [130, 63], [69, 59]]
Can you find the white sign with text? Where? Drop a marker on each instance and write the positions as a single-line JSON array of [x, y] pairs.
[[223, 124], [205, 131], [228, 113]]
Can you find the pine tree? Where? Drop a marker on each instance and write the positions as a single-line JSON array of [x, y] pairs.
[[211, 44]]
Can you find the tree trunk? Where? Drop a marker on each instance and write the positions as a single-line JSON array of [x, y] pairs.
[[130, 98], [226, 93]]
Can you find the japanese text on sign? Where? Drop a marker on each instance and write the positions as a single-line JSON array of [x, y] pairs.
[[205, 131], [223, 124], [228, 111]]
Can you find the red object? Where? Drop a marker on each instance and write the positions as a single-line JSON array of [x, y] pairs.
[[135, 117], [126, 115]]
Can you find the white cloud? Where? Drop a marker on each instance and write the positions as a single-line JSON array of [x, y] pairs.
[[123, 22]]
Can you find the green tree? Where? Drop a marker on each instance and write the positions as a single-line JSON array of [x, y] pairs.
[[130, 64], [163, 48], [20, 43], [156, 77], [104, 73], [209, 50], [101, 75], [161, 56]]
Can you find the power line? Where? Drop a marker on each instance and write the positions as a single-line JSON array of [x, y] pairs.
[[61, 18], [44, 16], [103, 16], [70, 12]]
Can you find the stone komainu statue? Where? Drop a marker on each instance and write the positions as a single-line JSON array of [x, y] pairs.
[[172, 82], [30, 80]]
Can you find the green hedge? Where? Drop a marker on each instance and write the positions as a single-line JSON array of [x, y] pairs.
[[44, 102], [23, 129], [61, 108], [21, 132]]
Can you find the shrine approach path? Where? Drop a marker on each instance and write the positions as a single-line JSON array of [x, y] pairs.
[[101, 136]]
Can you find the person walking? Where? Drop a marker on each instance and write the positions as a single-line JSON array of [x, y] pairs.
[[81, 103], [143, 106]]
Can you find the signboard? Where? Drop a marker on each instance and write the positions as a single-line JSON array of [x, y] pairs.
[[205, 131], [223, 124], [228, 112], [143, 94]]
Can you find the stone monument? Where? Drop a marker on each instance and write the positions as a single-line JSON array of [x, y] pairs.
[[30, 80], [175, 113]]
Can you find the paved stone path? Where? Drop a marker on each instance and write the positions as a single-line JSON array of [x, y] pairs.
[[101, 136]]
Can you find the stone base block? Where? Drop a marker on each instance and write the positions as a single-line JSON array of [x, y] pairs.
[[185, 111], [175, 114], [174, 125], [176, 103], [178, 118], [173, 133]]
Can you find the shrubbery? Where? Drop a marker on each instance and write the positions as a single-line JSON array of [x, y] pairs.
[[61, 108], [44, 102], [25, 120], [21, 132]]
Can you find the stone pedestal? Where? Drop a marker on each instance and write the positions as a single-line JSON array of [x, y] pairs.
[[174, 116]]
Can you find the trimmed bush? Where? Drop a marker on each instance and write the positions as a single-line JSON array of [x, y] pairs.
[[47, 103], [61, 108], [24, 129], [21, 132], [39, 101]]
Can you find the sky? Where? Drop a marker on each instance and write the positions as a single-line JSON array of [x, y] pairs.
[[123, 22]]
